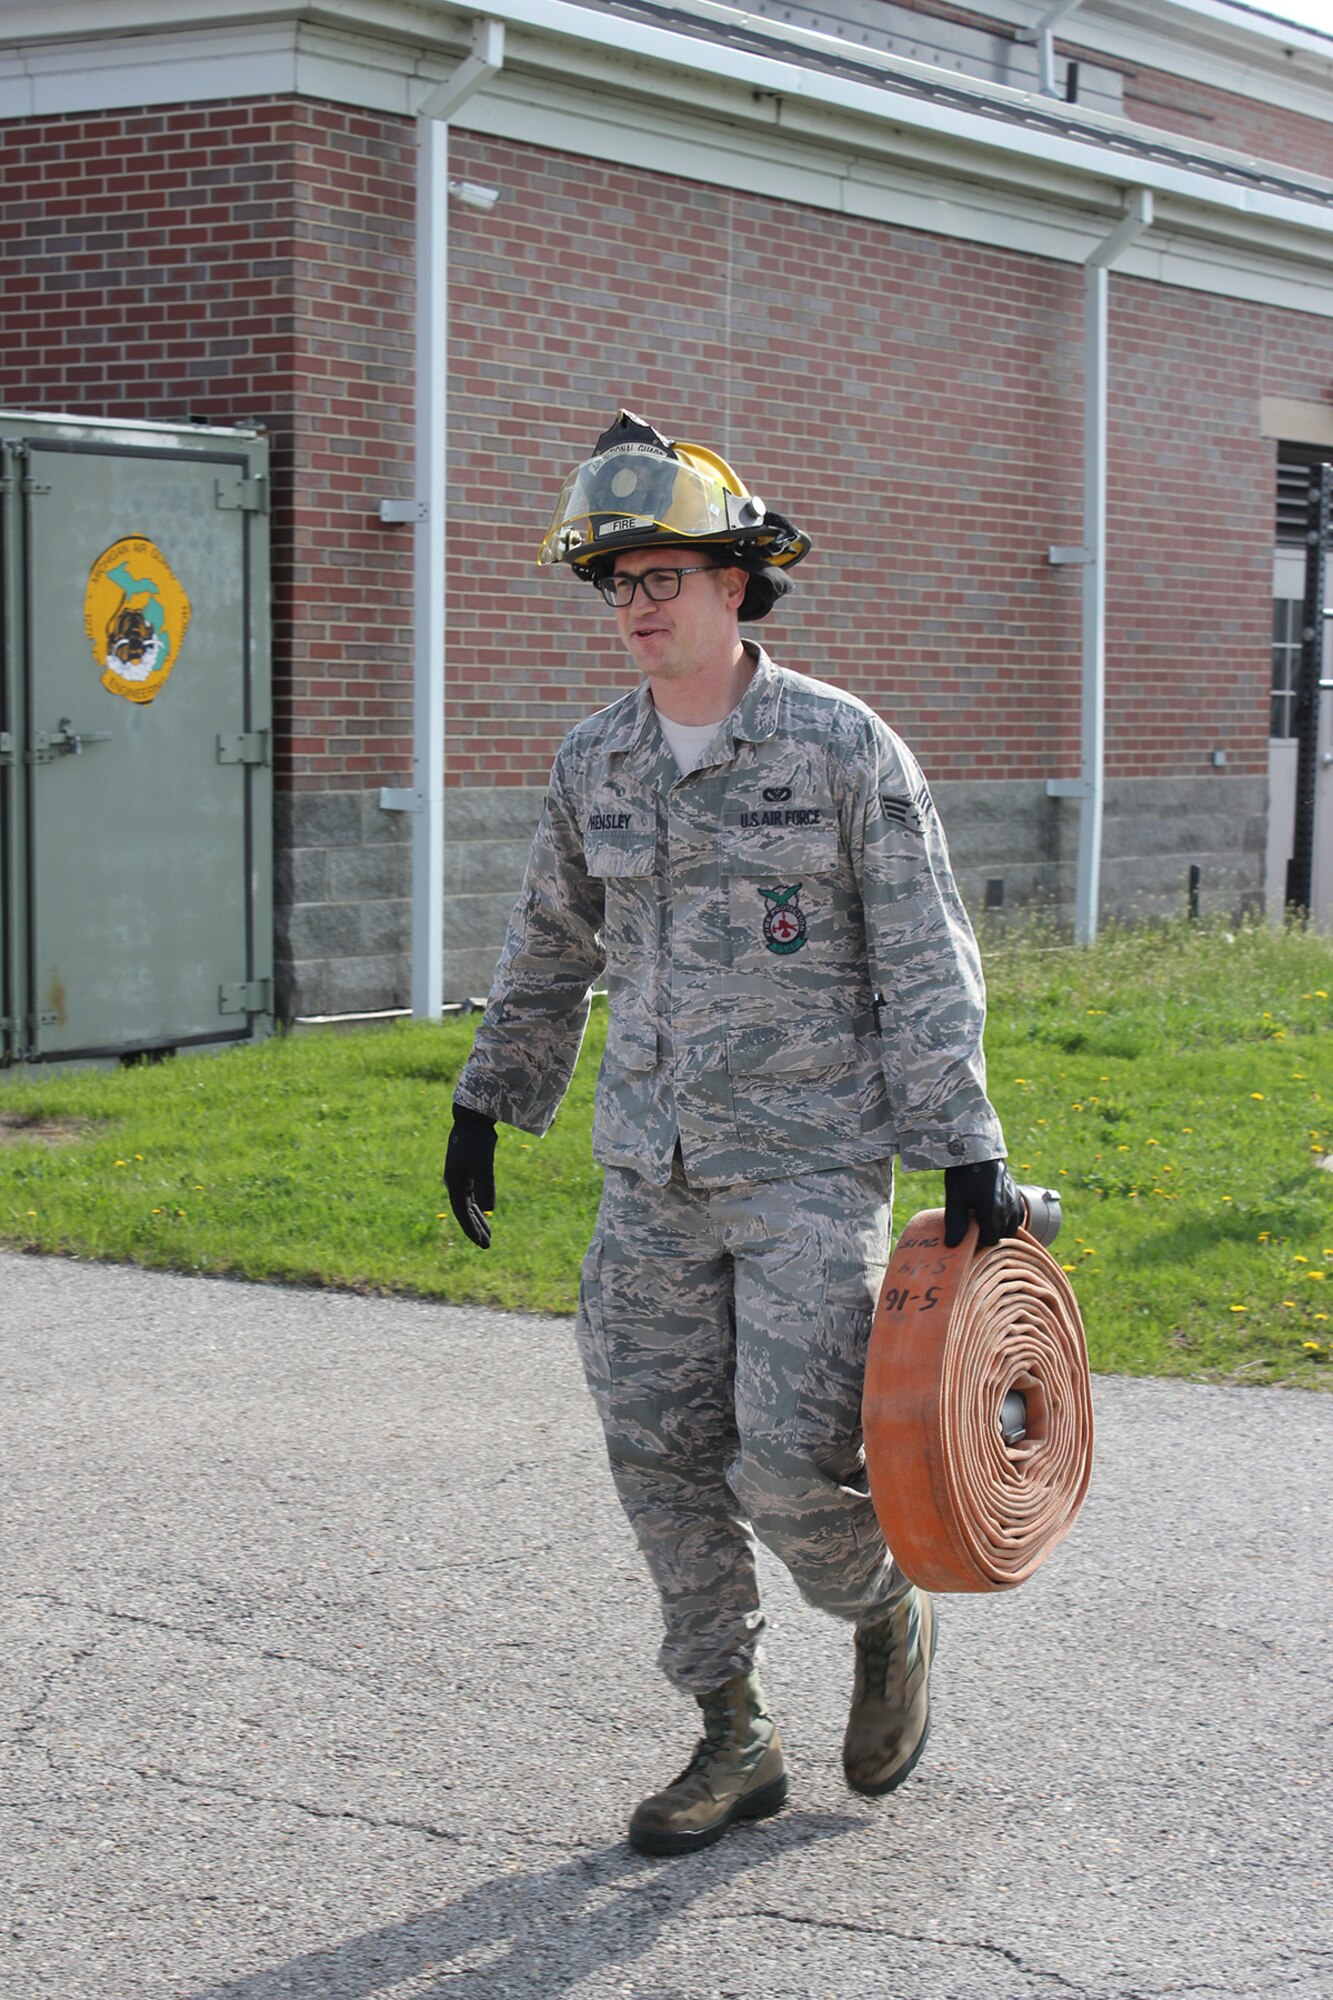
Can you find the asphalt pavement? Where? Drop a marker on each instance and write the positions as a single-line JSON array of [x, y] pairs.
[[328, 1675]]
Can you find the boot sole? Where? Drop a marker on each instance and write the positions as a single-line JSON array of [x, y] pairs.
[[904, 1771], [769, 1798]]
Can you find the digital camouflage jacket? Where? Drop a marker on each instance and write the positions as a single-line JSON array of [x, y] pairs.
[[792, 979]]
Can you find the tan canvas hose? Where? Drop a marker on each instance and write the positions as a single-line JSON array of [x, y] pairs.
[[966, 1346]]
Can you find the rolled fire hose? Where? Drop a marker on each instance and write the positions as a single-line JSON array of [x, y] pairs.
[[978, 1404]]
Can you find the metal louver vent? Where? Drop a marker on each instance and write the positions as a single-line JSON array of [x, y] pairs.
[[1297, 470]]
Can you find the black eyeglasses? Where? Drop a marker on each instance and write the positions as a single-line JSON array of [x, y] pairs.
[[659, 586]]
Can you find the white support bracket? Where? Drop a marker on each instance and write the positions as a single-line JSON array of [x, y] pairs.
[[401, 799], [396, 513], [1060, 554], [1068, 788]]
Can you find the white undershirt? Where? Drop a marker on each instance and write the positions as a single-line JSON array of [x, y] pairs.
[[687, 740]]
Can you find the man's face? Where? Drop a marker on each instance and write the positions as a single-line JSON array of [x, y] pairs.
[[689, 632]]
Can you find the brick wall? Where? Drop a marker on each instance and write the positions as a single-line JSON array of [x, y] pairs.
[[254, 261], [914, 402]]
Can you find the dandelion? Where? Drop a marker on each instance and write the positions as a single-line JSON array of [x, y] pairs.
[[1257, 1096], [1263, 1236], [198, 1187], [1154, 1142], [157, 1211], [1226, 1197], [1316, 1274], [1020, 1079], [1319, 993], [1122, 1149], [1312, 1346], [1187, 1128], [1068, 1267], [120, 1163], [1239, 1309], [1289, 1302], [1297, 1258], [32, 1211], [1076, 1107], [138, 1156], [1320, 1315]]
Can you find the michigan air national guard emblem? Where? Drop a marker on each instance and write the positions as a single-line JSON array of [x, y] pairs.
[[784, 925], [135, 613]]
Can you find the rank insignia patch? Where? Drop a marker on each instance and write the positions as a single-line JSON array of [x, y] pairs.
[[784, 925], [909, 813]]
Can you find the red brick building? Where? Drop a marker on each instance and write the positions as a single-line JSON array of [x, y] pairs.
[[845, 245]]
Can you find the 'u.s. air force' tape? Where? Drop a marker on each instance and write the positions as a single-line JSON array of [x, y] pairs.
[[962, 1339]]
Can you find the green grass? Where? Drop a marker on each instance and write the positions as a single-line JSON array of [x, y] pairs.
[[1176, 1084]]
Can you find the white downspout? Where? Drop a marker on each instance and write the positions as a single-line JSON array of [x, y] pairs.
[[425, 798], [1089, 788], [1043, 35]]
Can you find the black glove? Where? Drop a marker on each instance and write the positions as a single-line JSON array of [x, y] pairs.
[[469, 1172], [984, 1189]]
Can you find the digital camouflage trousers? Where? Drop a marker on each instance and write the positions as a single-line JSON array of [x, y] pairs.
[[723, 1332]]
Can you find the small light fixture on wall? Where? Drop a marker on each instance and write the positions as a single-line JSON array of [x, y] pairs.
[[473, 195]]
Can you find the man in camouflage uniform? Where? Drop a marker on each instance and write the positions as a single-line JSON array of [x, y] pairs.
[[751, 861]]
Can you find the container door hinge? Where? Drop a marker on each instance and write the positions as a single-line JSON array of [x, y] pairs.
[[36, 486], [254, 748], [247, 996], [249, 495], [6, 747]]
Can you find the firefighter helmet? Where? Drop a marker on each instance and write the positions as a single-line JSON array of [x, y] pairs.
[[642, 490]]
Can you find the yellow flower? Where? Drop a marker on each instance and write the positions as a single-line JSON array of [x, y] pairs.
[[1319, 993], [120, 1163], [1154, 1142], [1076, 1107], [1319, 1315], [1263, 1236], [1288, 1302], [1257, 1096], [1122, 1149], [1068, 1267], [1298, 1259], [138, 1156], [1239, 1309], [32, 1211], [157, 1211], [1020, 1079], [1187, 1128], [1312, 1347], [1315, 1274]]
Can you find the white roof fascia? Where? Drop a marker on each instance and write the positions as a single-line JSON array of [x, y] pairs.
[[554, 38], [1203, 41], [793, 88]]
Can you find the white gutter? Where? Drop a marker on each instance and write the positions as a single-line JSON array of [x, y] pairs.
[[775, 84], [1089, 788], [428, 512]]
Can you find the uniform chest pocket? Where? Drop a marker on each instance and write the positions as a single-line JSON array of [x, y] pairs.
[[790, 850], [613, 858]]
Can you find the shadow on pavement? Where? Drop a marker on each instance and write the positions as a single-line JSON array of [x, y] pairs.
[[532, 1933]]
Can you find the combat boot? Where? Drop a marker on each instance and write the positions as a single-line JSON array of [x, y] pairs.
[[890, 1715], [736, 1772]]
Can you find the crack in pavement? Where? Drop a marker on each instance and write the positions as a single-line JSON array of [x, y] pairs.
[[427, 1827], [198, 1632], [921, 1937]]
